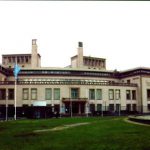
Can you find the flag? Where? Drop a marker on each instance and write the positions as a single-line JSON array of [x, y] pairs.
[[16, 70]]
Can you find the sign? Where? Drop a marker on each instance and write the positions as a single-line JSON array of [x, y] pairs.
[[39, 103]]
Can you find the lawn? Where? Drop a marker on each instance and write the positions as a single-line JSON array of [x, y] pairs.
[[107, 133]]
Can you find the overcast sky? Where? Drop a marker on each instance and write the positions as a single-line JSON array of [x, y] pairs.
[[117, 31]]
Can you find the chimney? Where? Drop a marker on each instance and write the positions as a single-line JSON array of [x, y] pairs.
[[34, 59], [80, 55]]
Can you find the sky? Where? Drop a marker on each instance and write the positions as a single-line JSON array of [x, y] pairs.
[[116, 30]]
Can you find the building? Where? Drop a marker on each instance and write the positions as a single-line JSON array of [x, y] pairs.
[[86, 87]]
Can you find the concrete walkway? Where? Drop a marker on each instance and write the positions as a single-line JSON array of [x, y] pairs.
[[62, 127]]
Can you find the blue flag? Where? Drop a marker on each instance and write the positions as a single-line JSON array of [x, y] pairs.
[[16, 70]]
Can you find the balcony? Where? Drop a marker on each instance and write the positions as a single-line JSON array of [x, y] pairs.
[[69, 82]]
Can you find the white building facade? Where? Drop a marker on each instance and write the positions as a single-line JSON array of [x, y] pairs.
[[86, 87]]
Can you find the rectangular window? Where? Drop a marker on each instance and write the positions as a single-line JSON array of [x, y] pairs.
[[148, 94], [11, 94], [92, 94], [34, 94], [57, 94], [74, 93], [2, 94], [148, 107], [128, 94], [117, 94], [48, 93], [99, 94], [134, 94], [128, 107], [92, 108], [25, 94], [118, 107], [134, 107], [99, 107], [111, 107], [111, 94]]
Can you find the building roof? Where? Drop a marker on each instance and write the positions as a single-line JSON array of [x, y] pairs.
[[7, 55]]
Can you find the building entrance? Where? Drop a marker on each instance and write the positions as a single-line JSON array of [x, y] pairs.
[[75, 107]]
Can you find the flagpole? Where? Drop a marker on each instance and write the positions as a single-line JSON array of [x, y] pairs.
[[15, 97], [16, 71]]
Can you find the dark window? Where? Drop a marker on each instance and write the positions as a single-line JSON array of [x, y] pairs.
[[11, 94], [128, 94], [134, 107], [111, 107], [2, 94], [27, 60], [148, 94], [148, 106], [134, 94], [128, 81], [128, 107], [92, 108], [118, 107], [99, 107]]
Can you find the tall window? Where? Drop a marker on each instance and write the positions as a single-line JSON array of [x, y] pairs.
[[34, 94], [25, 94], [99, 107], [148, 94], [111, 107], [134, 107], [134, 94], [99, 94], [2, 94], [128, 95], [92, 94], [117, 94], [11, 94], [92, 108], [56, 94], [128, 107], [148, 106], [111, 94], [74, 93], [48, 93]]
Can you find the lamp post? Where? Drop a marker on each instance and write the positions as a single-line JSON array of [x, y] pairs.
[[71, 108], [119, 105], [6, 105], [87, 110], [102, 110]]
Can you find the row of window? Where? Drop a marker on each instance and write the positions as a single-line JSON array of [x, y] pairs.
[[55, 93], [48, 94], [113, 94], [3, 94], [113, 107]]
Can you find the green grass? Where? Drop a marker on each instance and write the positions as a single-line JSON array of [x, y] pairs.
[[108, 133]]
